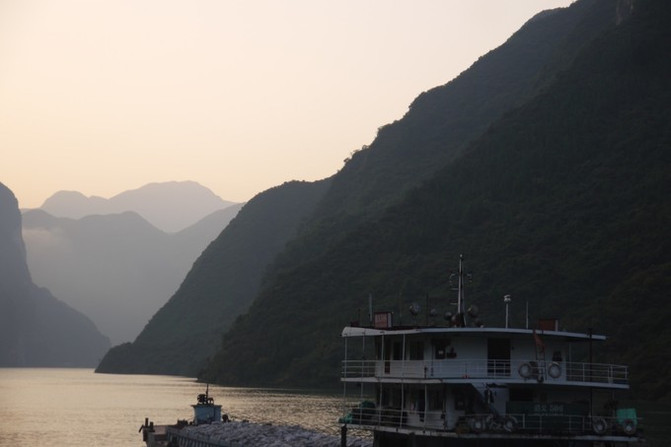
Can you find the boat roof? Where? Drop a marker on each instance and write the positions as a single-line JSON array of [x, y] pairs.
[[357, 331]]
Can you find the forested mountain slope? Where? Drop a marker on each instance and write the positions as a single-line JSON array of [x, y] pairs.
[[441, 122], [220, 286], [563, 202]]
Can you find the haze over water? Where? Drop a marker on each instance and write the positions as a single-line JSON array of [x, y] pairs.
[[76, 407]]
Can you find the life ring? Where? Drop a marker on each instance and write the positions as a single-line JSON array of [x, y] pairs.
[[554, 370], [525, 370], [629, 427], [477, 425], [510, 424], [599, 425]]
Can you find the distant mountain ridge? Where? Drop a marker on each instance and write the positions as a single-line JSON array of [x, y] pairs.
[[118, 269], [156, 202], [36, 329]]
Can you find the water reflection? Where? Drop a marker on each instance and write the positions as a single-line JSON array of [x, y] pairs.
[[75, 407]]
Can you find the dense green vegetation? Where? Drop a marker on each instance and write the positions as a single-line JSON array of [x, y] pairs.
[[443, 121], [562, 202]]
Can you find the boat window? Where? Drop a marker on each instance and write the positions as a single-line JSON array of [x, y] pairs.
[[459, 399], [393, 398], [521, 395], [398, 351], [435, 400], [417, 402], [498, 356], [440, 347], [416, 350]]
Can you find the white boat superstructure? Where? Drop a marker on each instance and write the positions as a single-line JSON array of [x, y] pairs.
[[464, 384]]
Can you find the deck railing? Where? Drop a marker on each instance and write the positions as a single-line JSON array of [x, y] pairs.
[[567, 372], [532, 424]]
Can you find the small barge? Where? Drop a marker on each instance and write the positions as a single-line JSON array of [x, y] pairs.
[[205, 411], [209, 428]]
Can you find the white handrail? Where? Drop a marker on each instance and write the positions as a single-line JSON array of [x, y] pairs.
[[529, 423], [572, 372]]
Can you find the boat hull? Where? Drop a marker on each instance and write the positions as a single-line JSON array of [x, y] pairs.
[[391, 439]]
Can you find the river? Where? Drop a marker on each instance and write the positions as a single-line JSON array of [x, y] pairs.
[[76, 407]]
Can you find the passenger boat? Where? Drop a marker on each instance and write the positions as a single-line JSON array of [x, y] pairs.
[[463, 384]]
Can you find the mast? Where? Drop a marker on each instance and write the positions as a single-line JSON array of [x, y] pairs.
[[460, 290], [460, 320]]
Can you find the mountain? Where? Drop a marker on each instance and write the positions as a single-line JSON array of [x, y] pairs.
[[117, 269], [37, 329], [562, 202], [220, 286], [544, 163], [155, 202], [443, 121], [437, 128]]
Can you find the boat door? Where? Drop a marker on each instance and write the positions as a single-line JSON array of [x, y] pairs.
[[498, 357], [392, 351]]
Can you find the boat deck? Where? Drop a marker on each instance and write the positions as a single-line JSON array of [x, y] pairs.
[[471, 370]]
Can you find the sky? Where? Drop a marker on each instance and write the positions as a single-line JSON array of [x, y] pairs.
[[104, 96]]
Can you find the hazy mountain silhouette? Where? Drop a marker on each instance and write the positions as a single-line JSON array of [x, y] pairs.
[[220, 286], [169, 206], [37, 329], [118, 269]]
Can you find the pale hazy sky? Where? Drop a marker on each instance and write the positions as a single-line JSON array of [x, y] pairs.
[[102, 96]]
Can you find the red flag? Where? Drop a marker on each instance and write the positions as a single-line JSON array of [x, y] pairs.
[[539, 342]]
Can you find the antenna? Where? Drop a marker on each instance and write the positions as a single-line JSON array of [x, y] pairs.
[[527, 314], [459, 317], [460, 289], [506, 299], [370, 309]]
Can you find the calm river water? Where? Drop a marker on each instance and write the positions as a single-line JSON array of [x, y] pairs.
[[76, 407]]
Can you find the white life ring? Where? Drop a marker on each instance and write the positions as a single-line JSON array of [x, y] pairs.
[[628, 427], [525, 370], [554, 370], [477, 424], [599, 425], [510, 424]]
